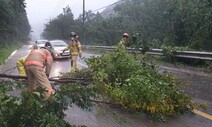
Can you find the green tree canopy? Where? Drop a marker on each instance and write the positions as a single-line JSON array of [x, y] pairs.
[[14, 24], [159, 22]]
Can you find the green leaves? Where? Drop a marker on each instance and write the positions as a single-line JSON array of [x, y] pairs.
[[158, 22], [137, 86], [61, 26], [14, 24], [29, 109]]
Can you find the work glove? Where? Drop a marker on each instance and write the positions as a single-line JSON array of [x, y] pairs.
[[80, 55]]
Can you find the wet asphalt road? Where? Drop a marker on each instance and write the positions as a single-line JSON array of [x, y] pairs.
[[105, 116]]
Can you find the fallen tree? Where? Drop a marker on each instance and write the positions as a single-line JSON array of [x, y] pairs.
[[136, 85], [115, 77], [83, 81]]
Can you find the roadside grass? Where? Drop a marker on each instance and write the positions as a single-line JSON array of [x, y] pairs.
[[6, 51]]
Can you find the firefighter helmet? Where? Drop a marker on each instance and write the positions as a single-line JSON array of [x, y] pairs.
[[34, 46], [125, 35], [73, 34]]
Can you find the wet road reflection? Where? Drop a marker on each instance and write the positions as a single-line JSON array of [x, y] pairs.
[[64, 65], [60, 66]]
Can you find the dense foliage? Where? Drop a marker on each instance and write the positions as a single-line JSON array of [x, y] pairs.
[[137, 86], [156, 22], [29, 110], [14, 25]]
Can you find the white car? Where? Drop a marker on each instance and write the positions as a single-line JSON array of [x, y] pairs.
[[56, 48], [41, 43]]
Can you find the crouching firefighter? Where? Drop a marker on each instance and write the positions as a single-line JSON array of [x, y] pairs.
[[34, 65]]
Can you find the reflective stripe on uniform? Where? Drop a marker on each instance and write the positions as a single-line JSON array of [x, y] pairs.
[[33, 62], [49, 57], [74, 53]]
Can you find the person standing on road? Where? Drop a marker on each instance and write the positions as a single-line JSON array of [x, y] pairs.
[[123, 41], [34, 66], [75, 50]]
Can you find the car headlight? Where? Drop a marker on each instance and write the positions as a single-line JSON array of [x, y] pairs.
[[67, 51], [56, 51], [56, 54]]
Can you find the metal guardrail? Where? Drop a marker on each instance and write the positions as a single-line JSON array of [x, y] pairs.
[[182, 54]]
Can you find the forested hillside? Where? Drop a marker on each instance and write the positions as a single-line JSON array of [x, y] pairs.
[[181, 23], [14, 25]]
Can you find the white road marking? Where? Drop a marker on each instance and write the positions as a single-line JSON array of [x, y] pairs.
[[81, 64], [13, 53]]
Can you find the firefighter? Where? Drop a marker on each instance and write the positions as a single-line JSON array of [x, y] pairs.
[[37, 76], [20, 62], [75, 50], [123, 41], [20, 66]]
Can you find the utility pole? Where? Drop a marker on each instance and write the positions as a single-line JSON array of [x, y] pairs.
[[83, 21]]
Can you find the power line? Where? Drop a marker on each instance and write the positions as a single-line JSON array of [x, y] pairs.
[[72, 4], [53, 11], [113, 10], [107, 6], [59, 5]]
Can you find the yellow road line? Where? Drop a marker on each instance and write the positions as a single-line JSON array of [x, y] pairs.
[[202, 114]]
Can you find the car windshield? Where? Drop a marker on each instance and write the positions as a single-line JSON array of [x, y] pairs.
[[41, 42], [58, 43]]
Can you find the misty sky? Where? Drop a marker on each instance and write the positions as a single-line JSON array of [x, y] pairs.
[[41, 11]]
